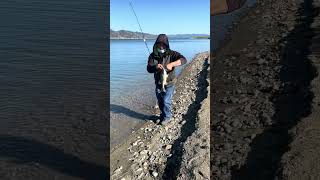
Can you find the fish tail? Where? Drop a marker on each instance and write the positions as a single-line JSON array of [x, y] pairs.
[[162, 88]]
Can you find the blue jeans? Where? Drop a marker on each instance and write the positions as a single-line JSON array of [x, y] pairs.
[[164, 102]]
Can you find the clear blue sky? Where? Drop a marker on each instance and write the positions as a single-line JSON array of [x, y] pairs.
[[162, 16]]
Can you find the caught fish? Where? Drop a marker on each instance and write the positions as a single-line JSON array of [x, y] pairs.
[[163, 79]]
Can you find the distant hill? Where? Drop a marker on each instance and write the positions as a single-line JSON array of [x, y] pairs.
[[189, 36], [124, 34]]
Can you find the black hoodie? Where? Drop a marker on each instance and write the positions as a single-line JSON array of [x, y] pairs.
[[168, 57]]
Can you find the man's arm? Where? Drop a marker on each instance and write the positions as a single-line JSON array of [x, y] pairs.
[[151, 67], [174, 64], [179, 60], [224, 6]]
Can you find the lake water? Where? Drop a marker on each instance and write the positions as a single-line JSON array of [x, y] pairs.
[[53, 89], [132, 87]]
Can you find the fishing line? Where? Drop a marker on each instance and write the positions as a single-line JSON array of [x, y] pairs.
[[144, 40]]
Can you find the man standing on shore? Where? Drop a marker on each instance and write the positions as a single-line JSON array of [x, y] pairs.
[[163, 58], [224, 6]]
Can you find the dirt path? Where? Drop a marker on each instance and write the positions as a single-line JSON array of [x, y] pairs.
[[264, 92], [157, 152]]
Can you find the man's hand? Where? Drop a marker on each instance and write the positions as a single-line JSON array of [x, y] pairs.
[[170, 66], [173, 64], [159, 67]]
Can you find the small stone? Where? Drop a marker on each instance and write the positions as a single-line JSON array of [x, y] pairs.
[[135, 143], [235, 123], [256, 93], [140, 176], [169, 146], [261, 61], [228, 148], [227, 128], [243, 100], [251, 55], [143, 152], [238, 91], [224, 100], [154, 173], [291, 28], [227, 110], [244, 80], [135, 154], [118, 170], [234, 100], [247, 108], [140, 169], [248, 140], [223, 160], [265, 118], [276, 87]]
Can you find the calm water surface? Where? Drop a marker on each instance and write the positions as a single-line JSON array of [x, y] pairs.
[[53, 89]]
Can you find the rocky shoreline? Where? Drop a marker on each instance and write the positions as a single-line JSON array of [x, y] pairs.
[[158, 152], [264, 106], [261, 91]]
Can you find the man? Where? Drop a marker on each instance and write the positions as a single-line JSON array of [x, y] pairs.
[[163, 58], [224, 6]]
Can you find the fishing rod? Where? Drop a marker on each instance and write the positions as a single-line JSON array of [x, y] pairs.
[[144, 40]]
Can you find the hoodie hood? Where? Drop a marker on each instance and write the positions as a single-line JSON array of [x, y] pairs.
[[161, 39]]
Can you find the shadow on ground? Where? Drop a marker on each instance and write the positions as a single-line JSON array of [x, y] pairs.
[[21, 150], [291, 104], [118, 109]]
